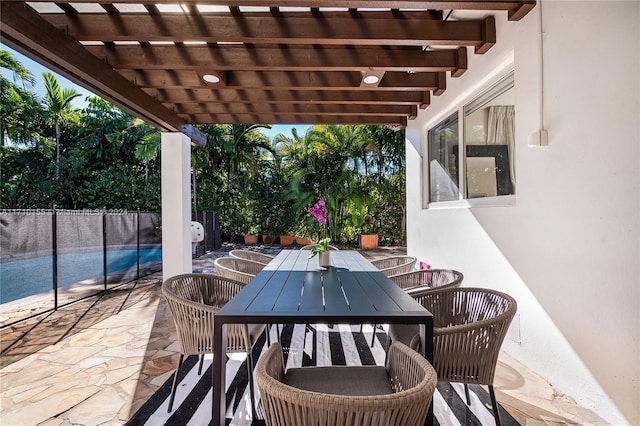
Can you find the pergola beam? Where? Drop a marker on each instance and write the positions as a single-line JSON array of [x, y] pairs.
[[516, 9], [304, 80], [283, 58], [295, 109], [328, 29], [298, 119], [26, 31], [179, 96]]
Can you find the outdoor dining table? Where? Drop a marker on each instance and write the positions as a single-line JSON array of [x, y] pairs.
[[294, 289]]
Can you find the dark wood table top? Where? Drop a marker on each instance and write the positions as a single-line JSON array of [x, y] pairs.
[[294, 288]]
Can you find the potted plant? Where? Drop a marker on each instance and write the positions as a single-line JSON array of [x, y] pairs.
[[368, 239], [268, 237], [323, 252], [303, 241], [320, 212], [286, 240], [281, 223], [251, 235]]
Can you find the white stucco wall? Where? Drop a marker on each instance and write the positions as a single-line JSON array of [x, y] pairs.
[[176, 204], [569, 249]]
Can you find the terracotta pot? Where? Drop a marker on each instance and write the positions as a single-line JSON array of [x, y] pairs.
[[368, 241], [251, 239], [268, 239], [286, 240], [303, 241]]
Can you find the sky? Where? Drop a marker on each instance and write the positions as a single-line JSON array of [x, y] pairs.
[[80, 102]]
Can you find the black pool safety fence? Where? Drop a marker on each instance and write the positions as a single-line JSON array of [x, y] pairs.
[[53, 257]]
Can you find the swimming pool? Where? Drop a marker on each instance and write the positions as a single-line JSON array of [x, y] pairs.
[[33, 276]]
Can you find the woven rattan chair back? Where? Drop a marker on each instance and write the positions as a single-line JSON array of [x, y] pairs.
[[394, 265], [194, 300], [251, 255], [428, 279], [416, 284], [412, 378], [470, 325], [242, 270], [312, 246]]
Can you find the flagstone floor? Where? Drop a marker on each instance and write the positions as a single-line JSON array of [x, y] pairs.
[[97, 361]]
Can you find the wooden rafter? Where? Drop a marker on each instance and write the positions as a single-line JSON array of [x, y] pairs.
[[304, 80], [297, 119], [516, 9], [344, 97], [25, 30], [175, 64], [282, 58], [305, 29], [296, 109]]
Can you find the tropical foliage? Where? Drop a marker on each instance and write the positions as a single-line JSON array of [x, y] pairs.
[[101, 157]]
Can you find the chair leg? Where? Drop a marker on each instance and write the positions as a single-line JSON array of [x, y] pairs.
[[386, 350], [175, 383], [496, 414], [200, 365], [254, 414], [373, 336], [466, 394], [268, 331]]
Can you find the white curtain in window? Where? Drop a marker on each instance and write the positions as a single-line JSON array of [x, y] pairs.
[[501, 130]]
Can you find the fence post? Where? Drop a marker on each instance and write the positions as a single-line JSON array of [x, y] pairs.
[[138, 243], [54, 232], [104, 245]]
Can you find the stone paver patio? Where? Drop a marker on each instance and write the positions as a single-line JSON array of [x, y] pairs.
[[97, 361]]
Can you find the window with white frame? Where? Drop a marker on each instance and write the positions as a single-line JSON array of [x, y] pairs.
[[475, 159], [443, 160]]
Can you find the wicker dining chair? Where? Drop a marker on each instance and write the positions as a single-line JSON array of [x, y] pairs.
[[394, 265], [470, 325], [399, 394], [251, 255], [428, 279], [194, 300], [242, 270], [312, 246], [416, 283]]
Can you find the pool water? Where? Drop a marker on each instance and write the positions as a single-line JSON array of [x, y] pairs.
[[33, 276]]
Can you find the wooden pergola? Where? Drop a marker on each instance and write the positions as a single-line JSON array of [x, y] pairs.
[[176, 64]]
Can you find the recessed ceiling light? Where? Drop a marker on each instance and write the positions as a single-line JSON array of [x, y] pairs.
[[210, 78], [371, 79]]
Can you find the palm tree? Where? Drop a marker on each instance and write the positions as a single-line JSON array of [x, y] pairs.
[[58, 102], [20, 72], [286, 146], [241, 147], [20, 111], [325, 167], [147, 149]]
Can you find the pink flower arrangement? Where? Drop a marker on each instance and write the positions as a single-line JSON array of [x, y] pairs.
[[424, 265], [320, 212]]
